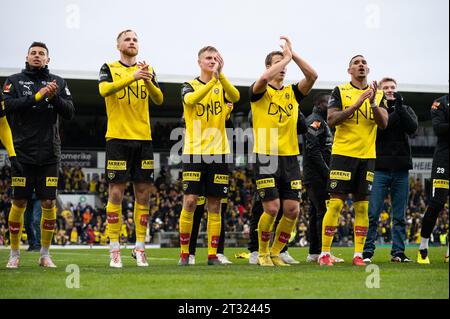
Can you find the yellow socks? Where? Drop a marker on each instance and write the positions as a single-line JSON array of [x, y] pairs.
[[214, 224], [265, 227], [186, 221], [15, 221], [361, 224], [48, 221], [330, 223], [141, 215], [114, 217], [282, 235]]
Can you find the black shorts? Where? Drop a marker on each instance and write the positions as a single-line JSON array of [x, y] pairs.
[[351, 175], [280, 181], [128, 160], [439, 181], [43, 180], [206, 178]]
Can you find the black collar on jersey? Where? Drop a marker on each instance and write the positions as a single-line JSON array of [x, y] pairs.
[[358, 87], [34, 71], [276, 88], [127, 66], [198, 79]]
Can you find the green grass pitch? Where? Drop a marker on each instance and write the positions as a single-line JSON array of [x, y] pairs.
[[163, 279]]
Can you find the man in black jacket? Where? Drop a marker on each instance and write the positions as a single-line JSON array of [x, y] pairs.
[[392, 172], [34, 99], [316, 161], [439, 176]]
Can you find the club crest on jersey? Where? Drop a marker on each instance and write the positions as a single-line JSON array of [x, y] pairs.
[[287, 96], [216, 91]]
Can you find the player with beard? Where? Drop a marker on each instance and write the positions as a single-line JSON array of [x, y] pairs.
[[127, 86]]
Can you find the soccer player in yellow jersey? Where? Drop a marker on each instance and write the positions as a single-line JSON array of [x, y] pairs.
[[356, 110], [207, 105], [275, 116], [5, 133], [127, 86]]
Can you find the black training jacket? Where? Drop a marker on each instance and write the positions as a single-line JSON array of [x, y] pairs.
[[393, 149], [34, 125], [439, 119], [317, 148]]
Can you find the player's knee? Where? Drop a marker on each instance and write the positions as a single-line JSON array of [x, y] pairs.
[[115, 196], [21, 203], [292, 212], [272, 209], [213, 204], [190, 203], [47, 204]]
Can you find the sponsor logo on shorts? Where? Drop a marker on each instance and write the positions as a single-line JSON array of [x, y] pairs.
[[330, 231], [51, 181], [284, 237], [117, 165], [369, 176], [333, 184], [191, 176], [148, 164], [49, 224], [201, 200], [265, 183], [262, 194], [111, 175], [185, 186], [221, 179], [297, 184], [341, 175], [19, 181], [144, 220], [14, 228], [360, 231], [113, 218], [440, 183]]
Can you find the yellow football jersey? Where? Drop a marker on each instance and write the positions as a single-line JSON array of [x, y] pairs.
[[128, 109], [275, 116], [205, 121], [356, 136]]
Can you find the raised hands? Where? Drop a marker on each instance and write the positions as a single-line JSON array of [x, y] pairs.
[[50, 90], [143, 73], [218, 67], [373, 90], [287, 47], [366, 95]]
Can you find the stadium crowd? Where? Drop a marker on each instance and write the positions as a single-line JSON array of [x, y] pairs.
[[82, 224]]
